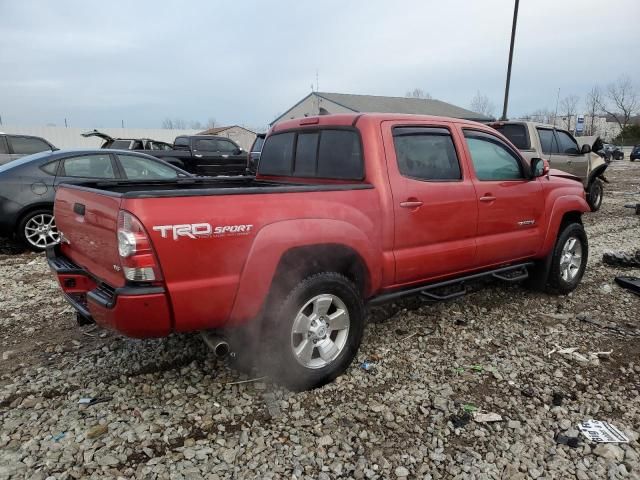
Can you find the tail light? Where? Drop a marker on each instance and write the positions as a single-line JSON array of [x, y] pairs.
[[138, 261]]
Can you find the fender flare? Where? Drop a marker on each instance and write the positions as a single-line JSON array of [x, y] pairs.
[[276, 239], [561, 206]]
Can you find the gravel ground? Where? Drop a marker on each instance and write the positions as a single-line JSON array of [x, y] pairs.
[[172, 410]]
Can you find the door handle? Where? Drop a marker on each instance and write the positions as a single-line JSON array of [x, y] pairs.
[[197, 155], [487, 198], [412, 204]]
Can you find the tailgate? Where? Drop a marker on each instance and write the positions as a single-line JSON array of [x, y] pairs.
[[88, 221]]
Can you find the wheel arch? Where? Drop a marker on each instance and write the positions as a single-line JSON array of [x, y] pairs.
[[566, 209], [285, 252], [30, 208]]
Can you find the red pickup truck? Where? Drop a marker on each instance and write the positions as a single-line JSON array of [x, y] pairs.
[[345, 211]]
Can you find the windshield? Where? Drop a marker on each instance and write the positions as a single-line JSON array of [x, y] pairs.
[[257, 145], [23, 160]]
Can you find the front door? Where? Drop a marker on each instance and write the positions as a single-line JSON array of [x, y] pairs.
[[570, 155], [510, 203], [434, 202]]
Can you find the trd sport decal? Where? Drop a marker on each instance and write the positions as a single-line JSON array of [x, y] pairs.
[[201, 230]]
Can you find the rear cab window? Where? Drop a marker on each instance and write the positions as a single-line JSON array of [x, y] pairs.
[[517, 133], [328, 153]]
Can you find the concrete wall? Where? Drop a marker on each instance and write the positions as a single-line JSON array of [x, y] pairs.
[[242, 137], [311, 106], [70, 137]]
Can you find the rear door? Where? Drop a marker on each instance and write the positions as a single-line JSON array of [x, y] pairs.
[[510, 204], [571, 159], [435, 207], [216, 156]]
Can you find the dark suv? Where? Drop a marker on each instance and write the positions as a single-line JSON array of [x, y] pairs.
[[16, 146], [635, 153]]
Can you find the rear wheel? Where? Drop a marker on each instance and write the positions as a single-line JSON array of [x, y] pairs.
[[315, 333], [569, 259], [37, 230], [596, 193]]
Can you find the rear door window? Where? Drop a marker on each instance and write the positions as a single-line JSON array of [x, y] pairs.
[[28, 145], [426, 153], [51, 168], [141, 168], [516, 133], [548, 141], [89, 166]]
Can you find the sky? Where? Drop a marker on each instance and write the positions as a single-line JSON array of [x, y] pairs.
[[245, 62]]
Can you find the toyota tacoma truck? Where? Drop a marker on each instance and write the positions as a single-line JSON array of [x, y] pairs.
[[560, 148], [345, 211]]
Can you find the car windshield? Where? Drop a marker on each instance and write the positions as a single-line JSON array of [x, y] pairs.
[[24, 160]]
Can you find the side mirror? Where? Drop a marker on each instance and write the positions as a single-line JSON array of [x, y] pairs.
[[585, 149], [539, 167], [239, 151]]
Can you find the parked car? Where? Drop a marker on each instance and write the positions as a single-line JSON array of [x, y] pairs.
[[28, 186], [560, 148], [16, 146], [140, 144], [253, 157], [635, 153], [345, 210], [612, 152], [206, 155]]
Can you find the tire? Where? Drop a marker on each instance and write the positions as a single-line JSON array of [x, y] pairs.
[[28, 230], [303, 351], [596, 193], [569, 259]]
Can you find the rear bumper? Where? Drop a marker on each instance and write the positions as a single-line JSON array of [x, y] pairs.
[[135, 311]]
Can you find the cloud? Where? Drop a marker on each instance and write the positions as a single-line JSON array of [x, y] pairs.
[[246, 61]]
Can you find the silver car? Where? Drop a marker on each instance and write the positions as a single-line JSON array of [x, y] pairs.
[[16, 146]]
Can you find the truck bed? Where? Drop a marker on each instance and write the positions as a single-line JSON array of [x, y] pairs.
[[208, 187]]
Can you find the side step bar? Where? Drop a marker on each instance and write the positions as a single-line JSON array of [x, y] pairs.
[[512, 273]]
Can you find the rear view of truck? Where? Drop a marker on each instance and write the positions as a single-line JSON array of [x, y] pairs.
[[106, 265]]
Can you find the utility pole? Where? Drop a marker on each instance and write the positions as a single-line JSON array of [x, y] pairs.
[[122, 123], [513, 38], [555, 115], [65, 123]]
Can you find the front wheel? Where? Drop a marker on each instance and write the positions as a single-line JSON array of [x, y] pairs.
[[595, 195], [37, 230], [315, 333], [569, 259]]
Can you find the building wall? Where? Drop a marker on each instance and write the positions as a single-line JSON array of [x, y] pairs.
[[311, 106], [241, 136], [63, 137]]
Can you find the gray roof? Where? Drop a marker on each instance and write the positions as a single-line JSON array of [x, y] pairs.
[[416, 106]]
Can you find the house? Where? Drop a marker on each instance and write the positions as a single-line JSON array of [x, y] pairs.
[[322, 103], [242, 136]]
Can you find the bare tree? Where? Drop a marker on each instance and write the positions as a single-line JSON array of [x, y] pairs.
[[592, 107], [481, 104], [195, 125], [569, 106], [211, 123], [621, 101], [418, 93], [175, 124]]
